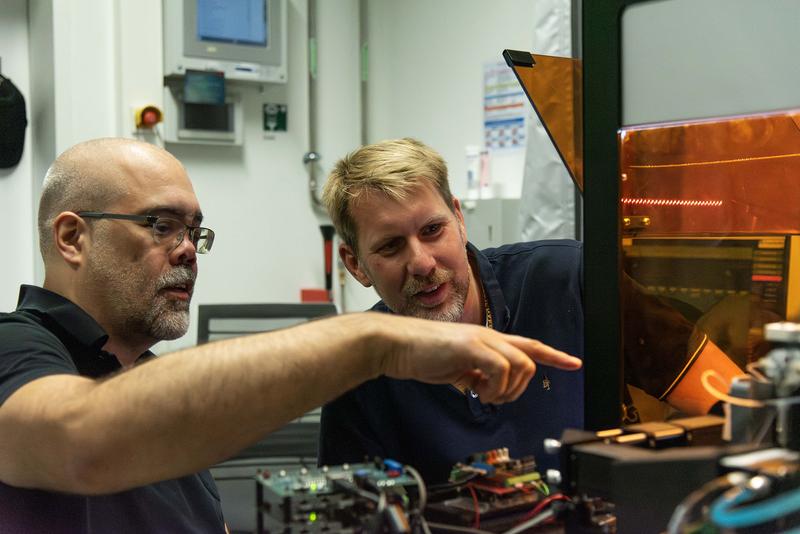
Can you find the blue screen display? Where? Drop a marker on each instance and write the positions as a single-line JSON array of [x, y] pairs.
[[233, 21], [204, 87]]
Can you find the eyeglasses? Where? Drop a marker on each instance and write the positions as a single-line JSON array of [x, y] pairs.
[[165, 229]]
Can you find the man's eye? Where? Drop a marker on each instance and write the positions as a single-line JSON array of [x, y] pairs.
[[431, 229], [166, 227], [389, 248]]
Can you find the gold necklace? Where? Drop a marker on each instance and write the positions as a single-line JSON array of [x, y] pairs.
[[486, 309]]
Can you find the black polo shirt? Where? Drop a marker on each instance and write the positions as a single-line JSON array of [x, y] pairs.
[[49, 335]]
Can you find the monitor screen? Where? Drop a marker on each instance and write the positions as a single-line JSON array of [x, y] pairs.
[[204, 87], [244, 39], [234, 21]]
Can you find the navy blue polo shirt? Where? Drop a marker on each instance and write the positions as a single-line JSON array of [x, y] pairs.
[[533, 289], [48, 335]]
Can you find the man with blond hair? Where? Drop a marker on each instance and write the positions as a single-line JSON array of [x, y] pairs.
[[97, 434], [403, 232]]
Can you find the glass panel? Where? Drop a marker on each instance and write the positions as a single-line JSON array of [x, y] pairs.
[[554, 87], [711, 222], [686, 59]]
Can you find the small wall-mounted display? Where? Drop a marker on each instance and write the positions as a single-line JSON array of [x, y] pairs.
[[200, 109], [245, 40]]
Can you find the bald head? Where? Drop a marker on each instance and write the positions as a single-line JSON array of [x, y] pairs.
[[94, 175]]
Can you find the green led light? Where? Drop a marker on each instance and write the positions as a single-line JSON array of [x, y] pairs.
[[312, 516], [313, 487]]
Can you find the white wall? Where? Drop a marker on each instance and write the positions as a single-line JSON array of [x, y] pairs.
[[426, 69], [107, 60], [16, 195], [426, 62], [42, 104], [85, 39], [338, 92], [256, 198]]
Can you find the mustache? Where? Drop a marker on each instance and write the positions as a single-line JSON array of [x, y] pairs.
[[176, 277], [415, 285]]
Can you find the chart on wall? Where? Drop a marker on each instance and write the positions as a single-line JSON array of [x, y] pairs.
[[504, 109]]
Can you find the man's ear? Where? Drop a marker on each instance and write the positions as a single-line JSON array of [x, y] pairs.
[[352, 264], [70, 234]]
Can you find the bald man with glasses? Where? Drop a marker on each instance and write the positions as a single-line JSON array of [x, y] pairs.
[[98, 435]]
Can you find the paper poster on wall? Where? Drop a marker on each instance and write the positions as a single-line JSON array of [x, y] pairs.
[[505, 108], [505, 130]]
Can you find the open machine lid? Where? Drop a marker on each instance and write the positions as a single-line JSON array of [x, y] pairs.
[[554, 87]]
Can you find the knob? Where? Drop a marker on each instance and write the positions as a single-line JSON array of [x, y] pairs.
[[310, 157], [552, 446], [553, 476]]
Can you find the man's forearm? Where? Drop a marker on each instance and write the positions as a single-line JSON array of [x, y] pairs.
[[183, 412]]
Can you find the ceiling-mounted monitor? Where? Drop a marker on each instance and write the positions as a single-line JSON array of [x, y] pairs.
[[243, 39]]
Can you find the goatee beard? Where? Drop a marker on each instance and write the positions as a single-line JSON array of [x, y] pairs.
[[169, 319], [454, 310]]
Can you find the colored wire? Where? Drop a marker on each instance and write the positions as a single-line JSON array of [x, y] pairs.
[[423, 524], [382, 500], [755, 372], [724, 514], [476, 523], [530, 523], [544, 488], [454, 528], [736, 401], [683, 512], [766, 426], [447, 486], [544, 502], [423, 494]]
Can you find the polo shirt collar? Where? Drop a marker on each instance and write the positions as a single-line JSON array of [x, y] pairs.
[[63, 312], [71, 321], [501, 315]]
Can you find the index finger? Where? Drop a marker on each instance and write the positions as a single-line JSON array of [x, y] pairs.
[[545, 354]]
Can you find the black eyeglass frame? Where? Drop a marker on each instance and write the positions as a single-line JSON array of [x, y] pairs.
[[195, 232]]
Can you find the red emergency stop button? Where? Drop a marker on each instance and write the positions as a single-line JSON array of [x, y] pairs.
[[147, 117]]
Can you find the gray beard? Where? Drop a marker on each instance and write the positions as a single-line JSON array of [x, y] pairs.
[[166, 319], [135, 308], [452, 314]]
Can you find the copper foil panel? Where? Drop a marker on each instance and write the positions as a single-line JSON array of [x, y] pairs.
[[729, 176]]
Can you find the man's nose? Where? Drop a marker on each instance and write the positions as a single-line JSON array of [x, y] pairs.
[[422, 261], [185, 252]]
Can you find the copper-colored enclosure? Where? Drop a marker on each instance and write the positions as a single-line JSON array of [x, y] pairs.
[[736, 175], [709, 209], [710, 219]]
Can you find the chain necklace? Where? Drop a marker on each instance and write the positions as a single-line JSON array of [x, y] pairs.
[[488, 312]]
